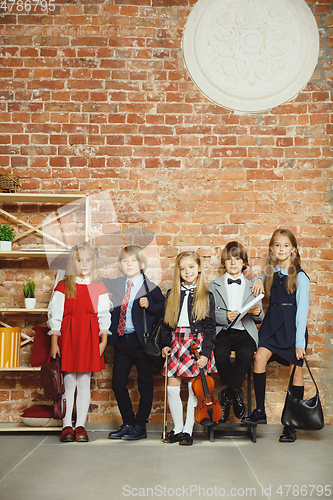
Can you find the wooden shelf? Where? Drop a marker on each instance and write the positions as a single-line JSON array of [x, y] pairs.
[[23, 309], [20, 427], [16, 254], [40, 197], [21, 369]]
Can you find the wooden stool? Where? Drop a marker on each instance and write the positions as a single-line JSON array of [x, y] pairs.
[[236, 429]]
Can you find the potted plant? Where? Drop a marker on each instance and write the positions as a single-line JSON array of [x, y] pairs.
[[7, 235], [28, 288]]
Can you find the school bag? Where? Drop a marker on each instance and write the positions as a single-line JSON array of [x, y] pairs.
[[53, 385], [152, 348]]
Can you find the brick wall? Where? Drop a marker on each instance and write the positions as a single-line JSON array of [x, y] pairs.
[[95, 96]]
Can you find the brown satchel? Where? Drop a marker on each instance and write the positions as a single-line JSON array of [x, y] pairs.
[[53, 385]]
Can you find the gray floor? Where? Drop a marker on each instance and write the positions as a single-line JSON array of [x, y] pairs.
[[39, 467]]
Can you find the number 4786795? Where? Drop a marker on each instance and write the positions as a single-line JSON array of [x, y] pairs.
[[27, 5]]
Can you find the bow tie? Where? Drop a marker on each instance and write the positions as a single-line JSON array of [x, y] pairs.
[[237, 281]]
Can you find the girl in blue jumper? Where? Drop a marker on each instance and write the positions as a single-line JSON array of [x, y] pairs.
[[283, 334]]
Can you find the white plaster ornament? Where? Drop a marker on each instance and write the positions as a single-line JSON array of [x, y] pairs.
[[251, 55]]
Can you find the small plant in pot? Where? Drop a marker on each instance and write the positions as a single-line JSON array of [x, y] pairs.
[[7, 235], [28, 288]]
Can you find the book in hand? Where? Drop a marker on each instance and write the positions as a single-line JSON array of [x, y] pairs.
[[245, 309]]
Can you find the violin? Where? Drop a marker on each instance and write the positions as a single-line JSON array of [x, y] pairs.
[[208, 410]]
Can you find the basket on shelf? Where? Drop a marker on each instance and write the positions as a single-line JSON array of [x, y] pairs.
[[9, 183]]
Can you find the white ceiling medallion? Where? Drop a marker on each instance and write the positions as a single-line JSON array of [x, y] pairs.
[[251, 55]]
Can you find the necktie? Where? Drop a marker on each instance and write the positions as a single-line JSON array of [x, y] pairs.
[[237, 281], [123, 309]]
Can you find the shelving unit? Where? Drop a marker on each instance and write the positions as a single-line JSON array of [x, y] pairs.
[[76, 200]]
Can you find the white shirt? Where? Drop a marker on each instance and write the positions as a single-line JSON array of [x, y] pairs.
[[183, 320], [235, 295], [57, 304]]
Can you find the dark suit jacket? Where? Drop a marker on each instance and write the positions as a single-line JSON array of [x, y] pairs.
[[154, 310]]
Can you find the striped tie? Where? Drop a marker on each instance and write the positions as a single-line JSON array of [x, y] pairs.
[[123, 309]]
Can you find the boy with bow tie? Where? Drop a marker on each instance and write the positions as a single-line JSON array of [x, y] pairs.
[[231, 292]]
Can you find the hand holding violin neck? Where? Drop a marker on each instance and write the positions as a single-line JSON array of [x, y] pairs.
[[208, 410]]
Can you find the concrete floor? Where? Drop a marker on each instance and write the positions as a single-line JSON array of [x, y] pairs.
[[38, 467]]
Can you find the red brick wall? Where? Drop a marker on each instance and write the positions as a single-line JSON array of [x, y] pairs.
[[95, 96]]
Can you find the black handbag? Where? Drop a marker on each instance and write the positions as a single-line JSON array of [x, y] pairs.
[[152, 348], [152, 342], [305, 414]]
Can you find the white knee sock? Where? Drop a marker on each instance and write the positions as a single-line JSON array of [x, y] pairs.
[[191, 404], [82, 398], [70, 386], [176, 408]]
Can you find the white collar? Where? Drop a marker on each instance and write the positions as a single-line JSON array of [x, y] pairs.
[[84, 281]]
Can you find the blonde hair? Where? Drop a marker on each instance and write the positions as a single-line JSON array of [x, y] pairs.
[[200, 306], [138, 253], [294, 268], [70, 278]]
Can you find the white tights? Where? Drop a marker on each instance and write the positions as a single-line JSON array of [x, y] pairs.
[[176, 409], [80, 382]]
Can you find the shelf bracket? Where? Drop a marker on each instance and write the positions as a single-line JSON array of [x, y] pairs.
[[34, 229]]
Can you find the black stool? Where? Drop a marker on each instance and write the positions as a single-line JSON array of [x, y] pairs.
[[236, 429]]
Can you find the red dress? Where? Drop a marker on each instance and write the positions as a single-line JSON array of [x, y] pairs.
[[79, 339]]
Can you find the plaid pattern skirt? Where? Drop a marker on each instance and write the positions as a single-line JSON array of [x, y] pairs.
[[181, 360]]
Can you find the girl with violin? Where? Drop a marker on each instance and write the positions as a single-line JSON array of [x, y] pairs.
[[189, 319]]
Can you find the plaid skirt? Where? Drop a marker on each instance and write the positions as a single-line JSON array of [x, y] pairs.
[[181, 360]]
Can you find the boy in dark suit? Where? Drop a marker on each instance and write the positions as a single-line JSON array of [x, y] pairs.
[[231, 292], [129, 296]]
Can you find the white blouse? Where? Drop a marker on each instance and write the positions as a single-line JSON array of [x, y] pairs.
[[57, 304]]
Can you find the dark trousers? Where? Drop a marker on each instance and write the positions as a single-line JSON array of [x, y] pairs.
[[244, 346], [129, 352]]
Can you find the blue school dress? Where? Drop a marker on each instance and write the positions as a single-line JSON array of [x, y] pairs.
[[281, 326]]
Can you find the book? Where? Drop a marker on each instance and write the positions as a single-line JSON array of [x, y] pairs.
[[245, 309]]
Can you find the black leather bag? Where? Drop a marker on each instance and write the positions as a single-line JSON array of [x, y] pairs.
[[152, 342], [301, 413]]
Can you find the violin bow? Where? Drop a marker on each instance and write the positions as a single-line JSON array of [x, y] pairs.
[[165, 424]]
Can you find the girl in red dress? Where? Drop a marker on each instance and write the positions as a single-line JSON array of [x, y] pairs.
[[79, 318], [189, 318]]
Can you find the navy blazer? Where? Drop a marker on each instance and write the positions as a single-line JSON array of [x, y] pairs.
[[154, 310]]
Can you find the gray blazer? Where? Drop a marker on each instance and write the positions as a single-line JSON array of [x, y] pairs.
[[218, 289]]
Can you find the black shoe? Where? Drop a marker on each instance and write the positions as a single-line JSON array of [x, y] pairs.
[[136, 432], [185, 439], [123, 429], [173, 438], [288, 435], [225, 403], [239, 405], [257, 417]]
